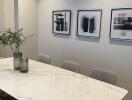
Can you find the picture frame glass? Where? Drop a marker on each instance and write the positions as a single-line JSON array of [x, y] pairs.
[[61, 22], [89, 23], [121, 24]]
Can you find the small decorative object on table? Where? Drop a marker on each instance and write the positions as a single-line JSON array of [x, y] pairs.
[[17, 56], [24, 65], [14, 40]]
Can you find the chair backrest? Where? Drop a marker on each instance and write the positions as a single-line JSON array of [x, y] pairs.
[[104, 75], [45, 59], [71, 65]]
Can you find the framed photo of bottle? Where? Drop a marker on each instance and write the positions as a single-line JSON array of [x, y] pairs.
[[89, 23], [61, 22]]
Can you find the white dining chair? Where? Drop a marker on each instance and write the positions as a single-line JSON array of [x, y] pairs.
[[45, 59], [104, 75], [71, 65]]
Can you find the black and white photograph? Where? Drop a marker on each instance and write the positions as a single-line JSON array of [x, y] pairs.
[[61, 22], [89, 23], [121, 24]]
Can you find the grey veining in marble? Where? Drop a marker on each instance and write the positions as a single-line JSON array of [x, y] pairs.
[[47, 82]]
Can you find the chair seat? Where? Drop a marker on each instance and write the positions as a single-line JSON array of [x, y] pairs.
[[44, 58], [71, 65], [104, 75]]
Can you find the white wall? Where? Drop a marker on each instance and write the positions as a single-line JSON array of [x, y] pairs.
[[1, 23], [26, 17], [115, 56], [6, 21], [28, 20], [1, 14]]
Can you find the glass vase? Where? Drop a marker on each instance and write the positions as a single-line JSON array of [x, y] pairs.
[[17, 56], [24, 65]]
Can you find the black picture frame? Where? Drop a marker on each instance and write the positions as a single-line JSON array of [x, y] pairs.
[[67, 18], [96, 13], [121, 24]]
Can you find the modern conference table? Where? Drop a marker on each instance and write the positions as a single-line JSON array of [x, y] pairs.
[[47, 82]]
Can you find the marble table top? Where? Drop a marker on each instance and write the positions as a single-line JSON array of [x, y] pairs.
[[48, 82]]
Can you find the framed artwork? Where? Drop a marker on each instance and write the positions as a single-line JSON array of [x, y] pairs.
[[89, 23], [121, 24], [61, 22]]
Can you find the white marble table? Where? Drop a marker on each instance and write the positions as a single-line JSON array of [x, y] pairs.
[[47, 82]]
